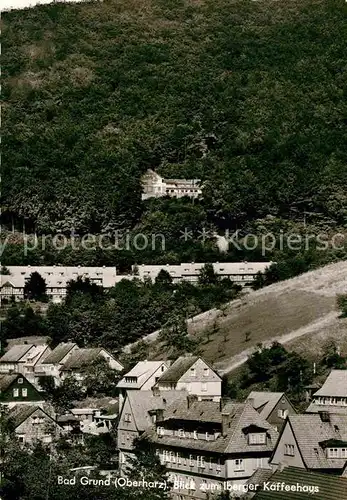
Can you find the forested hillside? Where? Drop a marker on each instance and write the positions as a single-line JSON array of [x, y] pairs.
[[248, 96]]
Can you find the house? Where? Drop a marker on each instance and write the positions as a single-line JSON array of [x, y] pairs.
[[315, 442], [299, 484], [80, 359], [241, 273], [142, 377], [33, 423], [96, 415], [193, 374], [155, 186], [15, 388], [52, 364], [206, 444], [56, 278], [23, 358], [273, 406], [332, 396], [139, 412]]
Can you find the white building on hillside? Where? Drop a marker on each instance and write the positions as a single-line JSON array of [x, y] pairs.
[[155, 186]]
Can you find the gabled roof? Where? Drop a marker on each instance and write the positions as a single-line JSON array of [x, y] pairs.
[[81, 358], [335, 385], [240, 417], [143, 371], [7, 380], [265, 402], [328, 486], [108, 404], [178, 369], [19, 413], [310, 431], [15, 354], [142, 402], [59, 353]]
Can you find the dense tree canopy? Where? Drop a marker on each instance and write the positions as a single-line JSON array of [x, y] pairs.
[[248, 96]]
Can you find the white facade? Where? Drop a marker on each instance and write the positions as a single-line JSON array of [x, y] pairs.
[[155, 186]]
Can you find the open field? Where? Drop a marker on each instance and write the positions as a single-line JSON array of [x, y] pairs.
[[300, 312]]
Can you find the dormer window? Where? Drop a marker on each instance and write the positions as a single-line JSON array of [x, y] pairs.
[[332, 452], [257, 438]]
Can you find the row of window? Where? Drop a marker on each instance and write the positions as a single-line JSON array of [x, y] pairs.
[[337, 452], [181, 433], [200, 461], [331, 401], [16, 393]]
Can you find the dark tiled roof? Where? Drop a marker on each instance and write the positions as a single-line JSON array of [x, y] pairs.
[[6, 381], [15, 353], [81, 358], [310, 431], [241, 416], [20, 413], [259, 476], [58, 353], [330, 487], [178, 369]]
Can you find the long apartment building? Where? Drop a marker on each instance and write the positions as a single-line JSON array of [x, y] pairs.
[[238, 272], [57, 277]]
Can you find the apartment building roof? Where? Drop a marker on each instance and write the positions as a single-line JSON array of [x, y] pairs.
[[178, 369], [328, 487], [265, 402], [59, 353], [310, 432], [242, 418], [335, 385], [15, 354], [143, 371]]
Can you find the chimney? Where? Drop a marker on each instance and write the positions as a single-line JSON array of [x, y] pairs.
[[160, 415], [225, 423], [324, 416], [250, 401], [155, 391], [191, 398]]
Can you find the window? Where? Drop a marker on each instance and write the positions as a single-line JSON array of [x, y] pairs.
[[211, 464], [343, 452], [192, 372], [218, 468], [259, 463], [200, 461], [258, 438], [333, 452], [195, 435], [191, 460], [206, 372], [239, 464], [160, 431], [15, 393], [204, 387], [178, 458], [181, 433], [24, 393], [127, 417], [289, 450], [20, 381], [282, 413]]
